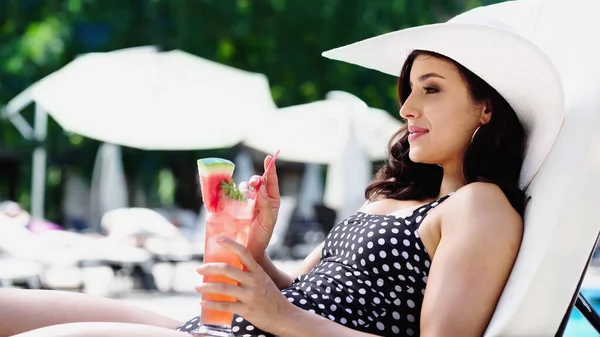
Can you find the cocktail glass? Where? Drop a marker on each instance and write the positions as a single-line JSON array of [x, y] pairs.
[[232, 220]]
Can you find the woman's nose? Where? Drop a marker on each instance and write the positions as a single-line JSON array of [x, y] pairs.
[[408, 110]]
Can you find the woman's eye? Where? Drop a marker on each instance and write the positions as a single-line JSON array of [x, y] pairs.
[[430, 90]]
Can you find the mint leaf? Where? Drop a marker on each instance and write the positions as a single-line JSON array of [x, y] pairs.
[[232, 191]]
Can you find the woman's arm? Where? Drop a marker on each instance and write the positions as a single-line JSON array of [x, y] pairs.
[[480, 239], [260, 302], [283, 280], [301, 323]]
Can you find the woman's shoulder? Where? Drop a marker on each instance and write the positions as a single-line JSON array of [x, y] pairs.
[[483, 203], [478, 193]]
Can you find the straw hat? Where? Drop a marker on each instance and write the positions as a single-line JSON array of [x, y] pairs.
[[513, 65]]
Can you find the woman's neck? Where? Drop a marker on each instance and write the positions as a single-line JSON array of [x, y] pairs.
[[452, 179]]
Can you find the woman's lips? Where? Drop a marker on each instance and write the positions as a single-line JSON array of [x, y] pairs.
[[415, 135], [414, 132]]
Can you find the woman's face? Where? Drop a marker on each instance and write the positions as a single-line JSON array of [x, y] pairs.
[[440, 114]]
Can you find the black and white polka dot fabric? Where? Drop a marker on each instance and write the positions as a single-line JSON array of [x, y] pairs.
[[371, 277]]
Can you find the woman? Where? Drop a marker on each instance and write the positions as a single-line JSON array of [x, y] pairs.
[[430, 251]]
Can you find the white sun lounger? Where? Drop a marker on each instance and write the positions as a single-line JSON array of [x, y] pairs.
[[62, 259], [14, 270], [163, 240], [561, 221]]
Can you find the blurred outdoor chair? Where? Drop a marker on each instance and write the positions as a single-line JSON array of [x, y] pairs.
[[325, 217], [151, 230], [277, 247], [15, 270], [137, 222], [61, 259]]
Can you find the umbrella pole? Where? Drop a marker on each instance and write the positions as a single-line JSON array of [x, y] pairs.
[[38, 183]]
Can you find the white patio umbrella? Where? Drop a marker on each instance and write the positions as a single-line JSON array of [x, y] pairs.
[[147, 99], [315, 132], [143, 98]]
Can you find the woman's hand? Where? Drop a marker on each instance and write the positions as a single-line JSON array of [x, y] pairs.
[[258, 299], [265, 212]]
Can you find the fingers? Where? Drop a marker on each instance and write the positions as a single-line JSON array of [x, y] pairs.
[[239, 250], [225, 269], [264, 203], [234, 307], [221, 288], [272, 181], [265, 207], [254, 181]]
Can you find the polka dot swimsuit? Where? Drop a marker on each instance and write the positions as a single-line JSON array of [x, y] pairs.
[[371, 277]]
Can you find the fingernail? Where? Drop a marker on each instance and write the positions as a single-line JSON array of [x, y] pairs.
[[220, 238]]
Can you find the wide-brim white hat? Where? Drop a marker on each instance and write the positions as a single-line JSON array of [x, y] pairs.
[[513, 65]]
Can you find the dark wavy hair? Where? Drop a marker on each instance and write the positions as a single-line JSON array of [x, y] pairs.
[[495, 155]]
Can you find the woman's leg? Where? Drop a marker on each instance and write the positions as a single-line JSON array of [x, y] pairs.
[[24, 310], [100, 329]]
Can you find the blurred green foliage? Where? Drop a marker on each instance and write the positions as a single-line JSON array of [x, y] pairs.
[[280, 38]]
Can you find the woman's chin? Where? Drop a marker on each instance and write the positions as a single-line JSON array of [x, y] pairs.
[[417, 156]]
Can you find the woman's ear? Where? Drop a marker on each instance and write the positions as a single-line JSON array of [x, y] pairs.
[[486, 113]]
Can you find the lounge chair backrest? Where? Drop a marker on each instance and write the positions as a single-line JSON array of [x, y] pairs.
[[128, 221], [561, 220]]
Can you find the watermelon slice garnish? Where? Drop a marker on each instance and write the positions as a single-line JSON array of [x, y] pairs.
[[216, 182], [214, 171]]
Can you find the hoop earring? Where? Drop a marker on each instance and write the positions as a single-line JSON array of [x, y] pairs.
[[474, 133]]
